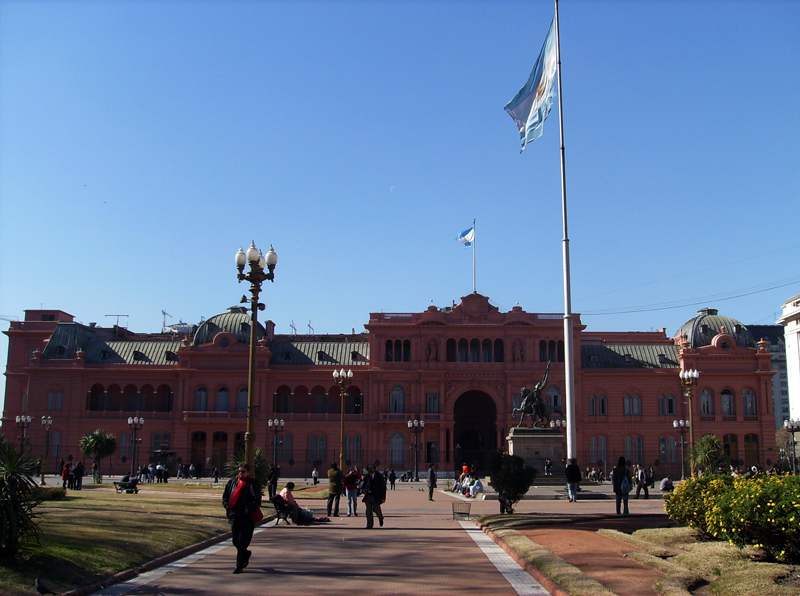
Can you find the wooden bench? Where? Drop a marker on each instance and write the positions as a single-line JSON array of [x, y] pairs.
[[126, 486]]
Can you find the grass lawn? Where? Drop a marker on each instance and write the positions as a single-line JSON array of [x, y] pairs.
[[96, 533], [685, 560]]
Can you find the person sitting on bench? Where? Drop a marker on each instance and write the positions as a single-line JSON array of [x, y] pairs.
[[288, 497]]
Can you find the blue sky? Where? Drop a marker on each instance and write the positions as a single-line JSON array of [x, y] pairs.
[[141, 143]]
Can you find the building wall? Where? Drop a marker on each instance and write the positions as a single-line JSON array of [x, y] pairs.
[[475, 399]]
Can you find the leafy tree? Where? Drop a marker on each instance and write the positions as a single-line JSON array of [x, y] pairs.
[[708, 454], [510, 477], [17, 500], [98, 443], [262, 467]]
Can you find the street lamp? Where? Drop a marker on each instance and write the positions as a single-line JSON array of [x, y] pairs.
[[256, 276], [23, 422], [343, 379], [135, 423], [682, 427], [47, 422], [688, 381], [416, 427], [559, 424], [275, 426], [793, 426]]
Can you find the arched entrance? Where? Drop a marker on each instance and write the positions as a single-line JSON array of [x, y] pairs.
[[474, 429]]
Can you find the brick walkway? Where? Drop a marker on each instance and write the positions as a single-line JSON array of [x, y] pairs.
[[421, 550]]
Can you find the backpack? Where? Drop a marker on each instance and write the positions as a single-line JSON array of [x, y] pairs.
[[625, 487]]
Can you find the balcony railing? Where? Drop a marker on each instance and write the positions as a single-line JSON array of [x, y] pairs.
[[120, 415], [214, 415]]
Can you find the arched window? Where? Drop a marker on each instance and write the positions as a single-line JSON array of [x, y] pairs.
[[97, 398], [283, 400], [499, 351], [398, 351], [748, 403], [451, 350], [389, 350], [201, 399], [55, 399], [593, 405], [751, 450], [406, 350], [320, 400], [730, 444], [666, 405], [397, 400], [463, 350], [728, 405], [397, 449], [636, 405], [553, 399], [560, 350], [706, 403], [551, 350], [626, 405], [542, 351], [602, 406], [475, 351], [222, 399], [486, 350], [241, 400]]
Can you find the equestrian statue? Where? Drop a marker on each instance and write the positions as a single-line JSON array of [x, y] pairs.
[[532, 404]]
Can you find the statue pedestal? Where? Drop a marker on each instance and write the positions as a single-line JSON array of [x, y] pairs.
[[535, 445]]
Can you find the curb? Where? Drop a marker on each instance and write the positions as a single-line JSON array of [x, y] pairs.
[[533, 571], [155, 563]]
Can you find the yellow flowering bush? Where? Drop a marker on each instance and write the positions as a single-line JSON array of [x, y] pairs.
[[690, 499], [763, 511]]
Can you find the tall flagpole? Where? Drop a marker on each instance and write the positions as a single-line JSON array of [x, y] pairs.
[[474, 236], [569, 363]]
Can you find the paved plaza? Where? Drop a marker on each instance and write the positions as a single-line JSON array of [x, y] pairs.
[[420, 550]]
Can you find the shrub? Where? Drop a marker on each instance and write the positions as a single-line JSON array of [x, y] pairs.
[[689, 501], [49, 493], [510, 477], [763, 511], [17, 503], [262, 467]]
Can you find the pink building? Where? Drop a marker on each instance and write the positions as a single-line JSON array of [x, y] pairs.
[[459, 369]]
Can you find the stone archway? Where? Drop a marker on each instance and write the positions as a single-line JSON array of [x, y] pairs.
[[474, 429]]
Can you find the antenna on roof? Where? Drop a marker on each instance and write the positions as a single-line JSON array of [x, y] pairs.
[[310, 328], [164, 325], [294, 329], [118, 316]]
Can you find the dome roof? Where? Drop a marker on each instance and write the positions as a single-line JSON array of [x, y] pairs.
[[708, 323], [235, 321]]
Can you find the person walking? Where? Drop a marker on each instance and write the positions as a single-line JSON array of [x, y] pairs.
[[392, 479], [315, 476], [273, 475], [373, 487], [642, 481], [242, 496], [431, 481], [335, 489], [621, 480], [573, 479]]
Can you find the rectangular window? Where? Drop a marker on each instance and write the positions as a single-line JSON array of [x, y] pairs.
[[283, 450], [433, 403], [50, 400], [59, 400], [637, 405], [626, 406], [312, 447], [432, 452], [56, 443], [320, 404], [629, 448], [165, 440], [601, 449], [593, 449], [352, 447], [639, 449], [592, 406], [156, 441]]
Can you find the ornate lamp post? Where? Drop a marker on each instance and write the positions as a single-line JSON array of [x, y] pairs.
[[682, 427], [416, 427], [793, 426], [47, 422], [23, 422], [689, 381], [256, 276], [559, 424], [275, 426], [135, 424], [343, 379]]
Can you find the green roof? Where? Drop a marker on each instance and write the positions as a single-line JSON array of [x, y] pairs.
[[629, 356], [322, 353]]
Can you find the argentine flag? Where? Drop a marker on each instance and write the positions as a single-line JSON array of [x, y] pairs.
[[467, 237], [532, 103]]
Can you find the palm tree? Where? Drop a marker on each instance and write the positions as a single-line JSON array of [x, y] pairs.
[[708, 454], [17, 519], [261, 471], [98, 443]]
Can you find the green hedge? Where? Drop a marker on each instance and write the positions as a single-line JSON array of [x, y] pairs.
[[763, 511]]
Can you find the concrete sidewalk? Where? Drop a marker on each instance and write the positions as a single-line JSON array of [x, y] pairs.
[[420, 550]]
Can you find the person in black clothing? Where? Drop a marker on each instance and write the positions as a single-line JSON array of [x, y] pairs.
[[431, 481], [273, 475], [373, 487], [573, 479], [241, 497]]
